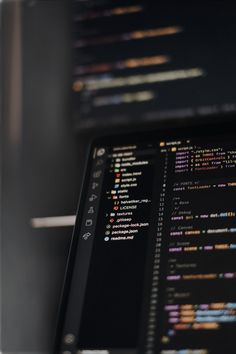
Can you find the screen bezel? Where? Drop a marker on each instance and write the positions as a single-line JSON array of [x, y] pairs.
[[219, 126]]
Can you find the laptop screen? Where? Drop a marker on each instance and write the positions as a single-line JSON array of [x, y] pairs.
[[154, 267]]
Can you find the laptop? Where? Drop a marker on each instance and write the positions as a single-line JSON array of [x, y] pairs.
[[152, 263]]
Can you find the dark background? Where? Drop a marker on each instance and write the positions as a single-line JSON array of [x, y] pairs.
[[42, 162], [41, 168]]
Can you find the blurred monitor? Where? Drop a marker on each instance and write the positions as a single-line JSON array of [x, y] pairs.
[[142, 61]]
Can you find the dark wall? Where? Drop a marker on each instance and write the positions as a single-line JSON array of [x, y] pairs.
[[42, 164]]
